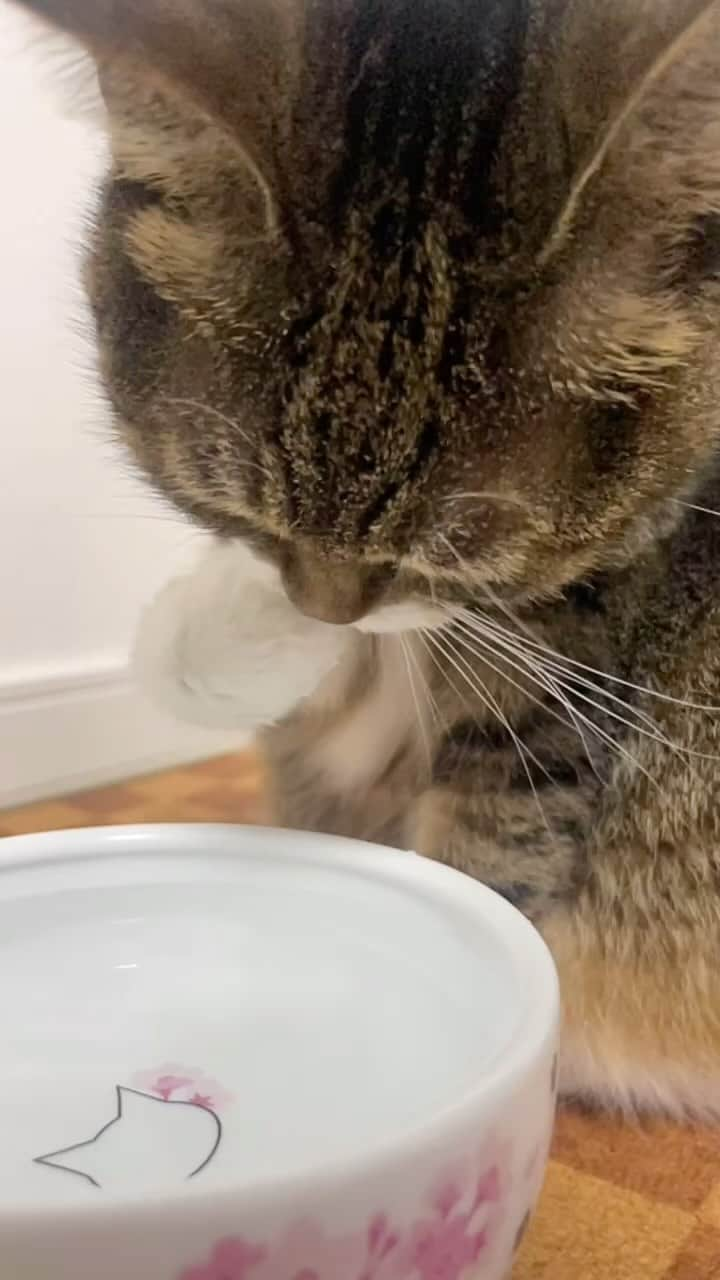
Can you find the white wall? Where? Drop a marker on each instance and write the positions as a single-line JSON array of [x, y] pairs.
[[82, 545]]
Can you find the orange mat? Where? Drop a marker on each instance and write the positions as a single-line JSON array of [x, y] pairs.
[[620, 1202]]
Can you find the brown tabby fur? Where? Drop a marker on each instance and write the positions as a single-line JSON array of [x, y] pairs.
[[421, 298]]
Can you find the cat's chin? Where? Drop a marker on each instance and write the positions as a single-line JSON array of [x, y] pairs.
[[393, 619]]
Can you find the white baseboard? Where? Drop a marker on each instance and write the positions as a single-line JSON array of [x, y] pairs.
[[61, 732]]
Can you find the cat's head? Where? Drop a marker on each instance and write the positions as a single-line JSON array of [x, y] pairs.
[[416, 296]]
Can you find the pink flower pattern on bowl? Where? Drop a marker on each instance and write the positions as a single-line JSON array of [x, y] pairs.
[[305, 1252], [446, 1243], [230, 1260], [173, 1083], [443, 1245]]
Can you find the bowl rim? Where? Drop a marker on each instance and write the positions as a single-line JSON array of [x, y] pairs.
[[406, 869]]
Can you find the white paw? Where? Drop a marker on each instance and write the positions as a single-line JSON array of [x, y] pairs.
[[224, 648]]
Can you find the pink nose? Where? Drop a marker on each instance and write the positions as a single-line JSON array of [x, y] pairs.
[[330, 589]]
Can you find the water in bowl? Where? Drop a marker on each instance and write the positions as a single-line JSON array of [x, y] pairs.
[[209, 1017]]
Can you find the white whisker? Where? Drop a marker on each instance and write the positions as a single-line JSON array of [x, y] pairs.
[[479, 688], [654, 730], [420, 718], [512, 617], [644, 724], [487, 495], [438, 719], [693, 506], [471, 617], [561, 670], [537, 676], [181, 402], [594, 728], [198, 406], [441, 537]]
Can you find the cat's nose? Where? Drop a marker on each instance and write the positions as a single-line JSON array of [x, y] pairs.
[[331, 589]]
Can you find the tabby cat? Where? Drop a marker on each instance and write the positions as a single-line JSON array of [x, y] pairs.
[[415, 304]]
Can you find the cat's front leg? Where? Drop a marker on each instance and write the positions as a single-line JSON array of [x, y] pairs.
[[633, 933], [223, 647], [520, 834]]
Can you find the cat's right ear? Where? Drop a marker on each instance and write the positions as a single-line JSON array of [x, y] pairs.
[[237, 64]]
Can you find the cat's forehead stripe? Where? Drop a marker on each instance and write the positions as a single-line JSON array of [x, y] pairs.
[[430, 88]]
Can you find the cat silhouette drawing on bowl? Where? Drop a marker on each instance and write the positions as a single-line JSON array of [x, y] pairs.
[[148, 1141], [413, 304]]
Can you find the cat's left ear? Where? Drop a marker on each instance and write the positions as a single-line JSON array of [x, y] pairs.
[[609, 62], [237, 64]]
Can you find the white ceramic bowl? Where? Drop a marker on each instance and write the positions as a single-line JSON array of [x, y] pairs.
[[233, 1054]]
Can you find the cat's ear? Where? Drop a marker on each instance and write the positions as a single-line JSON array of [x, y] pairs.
[[609, 57], [235, 63]]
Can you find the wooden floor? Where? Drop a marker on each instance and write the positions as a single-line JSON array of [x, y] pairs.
[[620, 1202], [228, 789]]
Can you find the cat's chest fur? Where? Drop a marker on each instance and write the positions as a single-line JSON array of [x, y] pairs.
[[387, 713]]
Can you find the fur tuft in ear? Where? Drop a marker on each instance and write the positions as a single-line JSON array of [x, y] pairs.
[[67, 72]]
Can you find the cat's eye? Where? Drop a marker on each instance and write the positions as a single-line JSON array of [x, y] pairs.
[[611, 433], [704, 260], [698, 258], [497, 354]]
